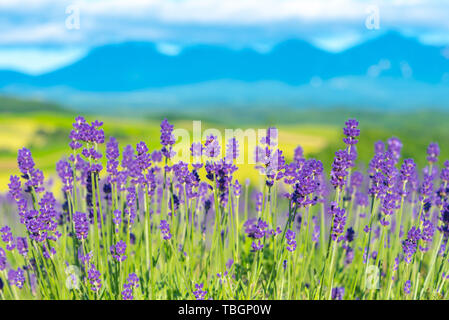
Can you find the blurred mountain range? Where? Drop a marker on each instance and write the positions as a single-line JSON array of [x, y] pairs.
[[388, 72]]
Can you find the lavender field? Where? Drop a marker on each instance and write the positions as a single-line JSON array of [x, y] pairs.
[[135, 223]]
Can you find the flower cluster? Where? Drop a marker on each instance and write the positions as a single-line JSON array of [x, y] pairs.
[[132, 215], [291, 242], [338, 221], [81, 225], [199, 293], [132, 282], [165, 229], [118, 251], [94, 278]]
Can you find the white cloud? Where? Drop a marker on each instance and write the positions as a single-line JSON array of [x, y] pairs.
[[330, 24], [49, 32], [109, 19], [168, 48], [36, 61]]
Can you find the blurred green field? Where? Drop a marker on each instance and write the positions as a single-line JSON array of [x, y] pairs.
[[46, 134], [44, 128]]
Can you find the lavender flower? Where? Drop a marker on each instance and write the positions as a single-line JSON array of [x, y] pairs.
[[65, 173], [112, 154], [118, 251], [298, 157], [433, 151], [409, 245], [407, 287], [34, 177], [199, 293], [256, 246], [379, 147], [212, 147], [117, 219], [349, 255], [22, 245], [232, 150], [93, 276], [351, 132], [316, 230], [167, 138], [428, 229], [7, 238], [445, 173], [25, 161], [84, 258], [349, 237], [81, 225], [165, 229], [338, 221], [255, 228], [16, 278], [128, 288], [291, 242], [407, 173], [340, 166], [15, 189], [338, 293], [237, 189], [156, 156], [229, 263], [394, 147], [356, 180], [2, 259]]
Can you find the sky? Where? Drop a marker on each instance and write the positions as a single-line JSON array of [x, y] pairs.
[[38, 36]]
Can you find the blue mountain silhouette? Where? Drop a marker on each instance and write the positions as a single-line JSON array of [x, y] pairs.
[[139, 65]]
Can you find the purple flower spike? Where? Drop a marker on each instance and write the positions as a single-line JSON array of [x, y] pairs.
[[407, 287], [94, 278], [7, 237], [15, 189], [199, 293], [237, 188], [338, 293], [340, 166], [299, 155], [2, 259], [118, 251], [16, 278], [379, 147], [338, 221], [65, 173], [255, 228], [409, 245], [81, 225], [25, 161], [131, 283], [256, 246], [395, 147], [445, 173], [291, 242], [433, 151], [165, 229], [22, 245], [112, 154], [351, 132], [212, 147], [232, 150], [167, 138]]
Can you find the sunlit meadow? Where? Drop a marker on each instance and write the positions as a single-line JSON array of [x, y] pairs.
[[131, 222]]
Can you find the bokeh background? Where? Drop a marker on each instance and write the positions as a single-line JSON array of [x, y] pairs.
[[304, 66]]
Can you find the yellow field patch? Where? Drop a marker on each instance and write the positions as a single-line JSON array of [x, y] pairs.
[[17, 131]]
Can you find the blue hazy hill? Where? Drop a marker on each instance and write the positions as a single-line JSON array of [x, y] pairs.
[[293, 72]]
